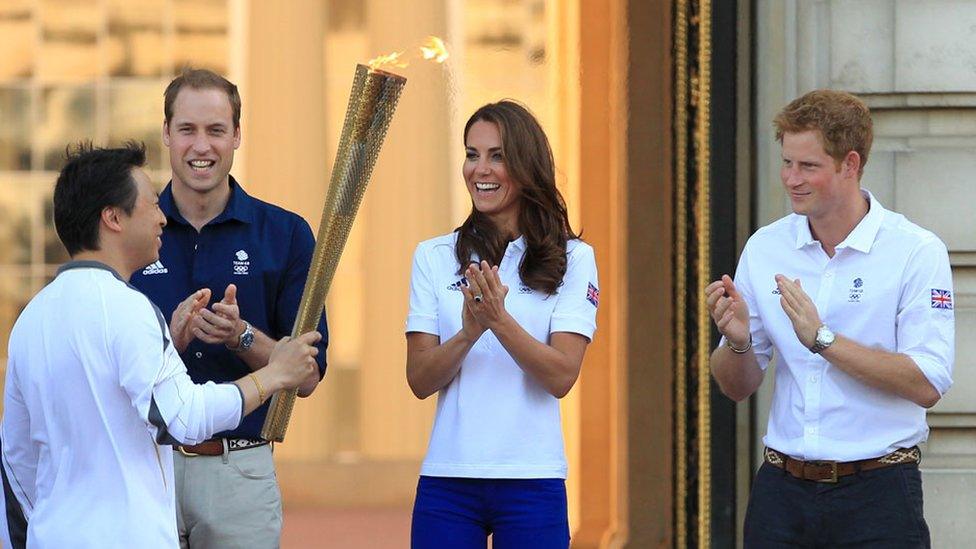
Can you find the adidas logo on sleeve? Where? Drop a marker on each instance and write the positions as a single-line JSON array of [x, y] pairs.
[[155, 269]]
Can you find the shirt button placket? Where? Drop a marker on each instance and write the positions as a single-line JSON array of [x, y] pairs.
[[812, 388], [196, 269], [811, 405]]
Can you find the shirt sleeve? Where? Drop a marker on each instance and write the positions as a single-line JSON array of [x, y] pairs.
[[925, 323], [762, 346], [176, 410], [578, 297], [422, 314], [292, 286], [19, 468]]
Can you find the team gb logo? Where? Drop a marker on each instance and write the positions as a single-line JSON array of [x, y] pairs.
[[241, 264]]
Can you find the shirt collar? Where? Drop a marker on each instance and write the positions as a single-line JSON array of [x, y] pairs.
[[240, 205], [866, 232], [861, 238], [518, 243], [88, 264]]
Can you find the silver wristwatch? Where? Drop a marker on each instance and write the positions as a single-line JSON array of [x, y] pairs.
[[245, 340], [825, 338]]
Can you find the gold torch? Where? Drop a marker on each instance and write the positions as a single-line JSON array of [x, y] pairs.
[[372, 101]]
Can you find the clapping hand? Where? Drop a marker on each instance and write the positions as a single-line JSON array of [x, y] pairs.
[[223, 324], [181, 324], [484, 298], [729, 311], [801, 310]]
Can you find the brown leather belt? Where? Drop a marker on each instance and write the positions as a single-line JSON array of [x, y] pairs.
[[830, 471], [215, 446]]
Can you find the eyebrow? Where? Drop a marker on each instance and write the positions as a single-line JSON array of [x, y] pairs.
[[187, 123], [799, 161], [493, 149]]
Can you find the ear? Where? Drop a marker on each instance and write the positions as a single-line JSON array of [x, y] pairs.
[[852, 164], [237, 137], [166, 133], [112, 219]]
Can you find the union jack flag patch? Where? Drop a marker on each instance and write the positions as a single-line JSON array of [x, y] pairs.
[[593, 295], [941, 299]]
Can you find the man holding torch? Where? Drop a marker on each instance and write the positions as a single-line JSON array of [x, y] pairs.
[[95, 392], [220, 239]]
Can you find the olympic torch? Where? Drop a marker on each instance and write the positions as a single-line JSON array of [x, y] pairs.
[[372, 101]]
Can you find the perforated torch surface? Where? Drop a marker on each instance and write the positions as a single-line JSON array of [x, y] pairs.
[[372, 101]]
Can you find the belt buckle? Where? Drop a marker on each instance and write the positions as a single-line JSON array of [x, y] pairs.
[[833, 471], [185, 453]]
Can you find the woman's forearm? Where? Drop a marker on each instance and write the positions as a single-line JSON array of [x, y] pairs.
[[555, 366], [432, 365]]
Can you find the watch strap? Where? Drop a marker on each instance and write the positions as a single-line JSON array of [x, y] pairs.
[[245, 340]]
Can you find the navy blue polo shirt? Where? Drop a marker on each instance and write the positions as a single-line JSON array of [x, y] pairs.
[[264, 250]]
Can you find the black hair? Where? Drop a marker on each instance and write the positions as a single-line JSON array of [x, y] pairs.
[[94, 179]]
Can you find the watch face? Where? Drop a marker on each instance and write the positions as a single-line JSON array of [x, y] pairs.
[[247, 338], [825, 336]]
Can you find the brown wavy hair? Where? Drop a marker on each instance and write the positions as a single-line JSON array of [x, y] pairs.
[[543, 219]]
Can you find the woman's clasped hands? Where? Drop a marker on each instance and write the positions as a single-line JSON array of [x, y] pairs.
[[484, 299]]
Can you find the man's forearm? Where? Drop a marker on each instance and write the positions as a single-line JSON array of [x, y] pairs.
[[891, 372], [260, 352], [738, 375], [257, 388]]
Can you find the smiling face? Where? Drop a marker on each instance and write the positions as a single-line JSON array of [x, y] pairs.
[[201, 138], [492, 191], [143, 227], [816, 185]]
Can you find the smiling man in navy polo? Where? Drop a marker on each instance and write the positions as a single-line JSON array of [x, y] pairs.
[[243, 264]]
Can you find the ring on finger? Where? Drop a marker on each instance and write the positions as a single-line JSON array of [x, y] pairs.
[[478, 298]]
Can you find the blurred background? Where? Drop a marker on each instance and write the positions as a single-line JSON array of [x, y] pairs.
[[96, 69], [659, 113]]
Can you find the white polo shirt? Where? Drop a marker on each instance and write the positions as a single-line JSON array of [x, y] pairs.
[[93, 388], [888, 286], [494, 420]]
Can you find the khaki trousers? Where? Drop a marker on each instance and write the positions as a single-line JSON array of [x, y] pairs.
[[229, 501]]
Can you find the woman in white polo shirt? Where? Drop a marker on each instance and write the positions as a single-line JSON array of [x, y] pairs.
[[501, 312]]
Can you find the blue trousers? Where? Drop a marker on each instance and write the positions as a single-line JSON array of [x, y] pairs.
[[872, 509], [460, 513]]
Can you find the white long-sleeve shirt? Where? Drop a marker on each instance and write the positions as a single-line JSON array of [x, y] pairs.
[[94, 391], [888, 286]]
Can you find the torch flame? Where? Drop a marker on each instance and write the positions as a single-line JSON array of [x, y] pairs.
[[435, 49], [389, 60]]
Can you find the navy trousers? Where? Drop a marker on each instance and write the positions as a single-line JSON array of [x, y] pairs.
[[460, 513], [872, 509]]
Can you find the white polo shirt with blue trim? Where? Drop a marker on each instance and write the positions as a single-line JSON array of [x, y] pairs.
[[494, 420]]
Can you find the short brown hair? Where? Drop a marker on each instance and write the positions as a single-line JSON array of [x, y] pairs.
[[201, 79], [843, 120]]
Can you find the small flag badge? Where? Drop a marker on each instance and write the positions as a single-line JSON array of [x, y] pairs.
[[593, 295], [941, 299]]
